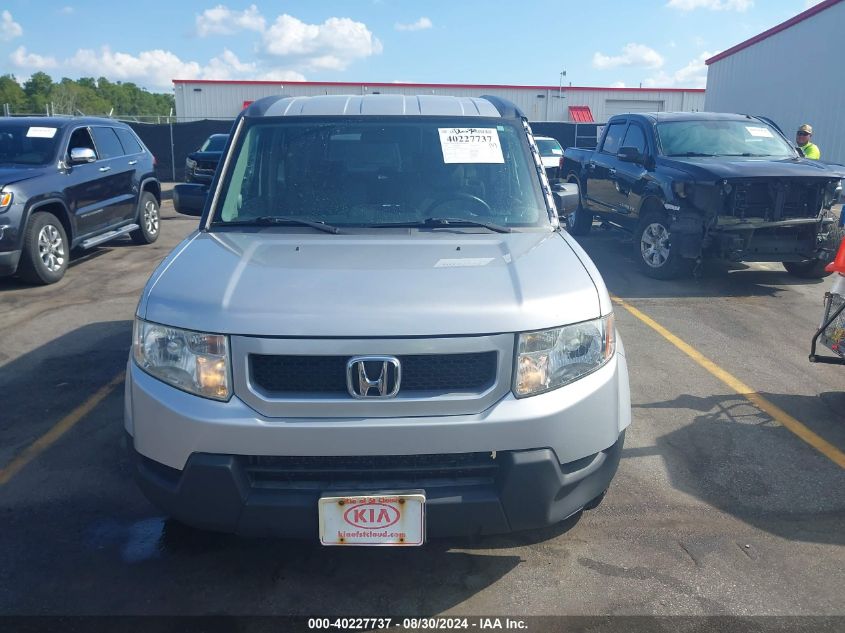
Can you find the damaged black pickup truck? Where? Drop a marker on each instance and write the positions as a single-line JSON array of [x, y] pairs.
[[695, 185]]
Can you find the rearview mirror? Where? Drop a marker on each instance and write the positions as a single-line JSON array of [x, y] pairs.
[[189, 199], [629, 155], [566, 197], [81, 155]]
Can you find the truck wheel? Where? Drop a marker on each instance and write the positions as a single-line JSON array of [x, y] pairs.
[[579, 221], [149, 220], [45, 250], [653, 249]]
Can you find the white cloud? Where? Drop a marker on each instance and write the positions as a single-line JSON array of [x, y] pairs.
[[693, 75], [153, 69], [632, 55], [419, 25], [9, 29], [712, 5], [334, 44], [618, 84], [811, 3], [66, 10], [221, 20], [21, 59]]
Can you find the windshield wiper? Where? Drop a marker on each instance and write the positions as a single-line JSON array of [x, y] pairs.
[[271, 220], [747, 155], [691, 154], [436, 222]]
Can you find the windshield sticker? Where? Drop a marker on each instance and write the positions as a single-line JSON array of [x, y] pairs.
[[465, 262], [471, 145], [41, 132], [761, 132]]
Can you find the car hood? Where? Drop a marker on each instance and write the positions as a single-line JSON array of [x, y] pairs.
[[205, 156], [8, 175], [719, 168], [273, 283]]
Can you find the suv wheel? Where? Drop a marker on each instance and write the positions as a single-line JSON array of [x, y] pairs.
[[814, 268], [45, 250], [579, 221], [149, 220], [653, 249]]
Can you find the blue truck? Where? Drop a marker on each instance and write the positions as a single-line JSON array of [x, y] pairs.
[[689, 186]]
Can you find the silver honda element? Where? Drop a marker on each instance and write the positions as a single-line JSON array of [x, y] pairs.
[[378, 333]]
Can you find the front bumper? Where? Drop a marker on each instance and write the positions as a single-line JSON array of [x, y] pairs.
[[9, 262], [525, 490]]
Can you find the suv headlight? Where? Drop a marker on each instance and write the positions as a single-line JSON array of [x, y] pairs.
[[190, 163], [5, 199], [549, 359], [191, 361]]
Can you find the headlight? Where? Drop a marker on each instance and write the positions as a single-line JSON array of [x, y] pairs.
[[5, 199], [190, 164], [549, 359], [191, 361]]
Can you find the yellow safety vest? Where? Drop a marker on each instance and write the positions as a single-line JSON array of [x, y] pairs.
[[811, 151]]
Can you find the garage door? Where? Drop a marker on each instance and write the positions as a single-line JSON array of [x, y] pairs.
[[621, 106]]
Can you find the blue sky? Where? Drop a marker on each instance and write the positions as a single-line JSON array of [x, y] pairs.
[[598, 42]]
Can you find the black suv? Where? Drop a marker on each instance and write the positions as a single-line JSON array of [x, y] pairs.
[[70, 183], [201, 164]]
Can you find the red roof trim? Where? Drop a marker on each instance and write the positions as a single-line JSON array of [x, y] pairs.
[[393, 85], [581, 114], [775, 29]]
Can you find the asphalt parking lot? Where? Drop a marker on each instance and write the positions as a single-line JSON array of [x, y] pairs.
[[717, 509]]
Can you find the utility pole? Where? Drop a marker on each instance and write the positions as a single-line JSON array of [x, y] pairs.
[[560, 92]]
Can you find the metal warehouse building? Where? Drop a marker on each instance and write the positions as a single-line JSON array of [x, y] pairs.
[[212, 99], [792, 74]]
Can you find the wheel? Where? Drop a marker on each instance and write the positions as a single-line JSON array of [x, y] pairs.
[[149, 220], [653, 249], [810, 269], [465, 197], [45, 250], [579, 221], [814, 268]]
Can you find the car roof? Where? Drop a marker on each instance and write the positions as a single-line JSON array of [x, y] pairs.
[[662, 117], [545, 138], [62, 122], [384, 105]]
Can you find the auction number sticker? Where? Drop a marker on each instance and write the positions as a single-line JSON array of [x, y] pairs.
[[760, 132], [41, 132], [471, 145]]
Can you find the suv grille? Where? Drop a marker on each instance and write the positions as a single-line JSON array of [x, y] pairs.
[[775, 200], [472, 372], [353, 472]]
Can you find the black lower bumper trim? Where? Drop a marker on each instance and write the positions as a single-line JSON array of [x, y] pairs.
[[9, 262], [530, 489]]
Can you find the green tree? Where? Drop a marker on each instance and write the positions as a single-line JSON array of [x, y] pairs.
[[37, 90], [12, 93]]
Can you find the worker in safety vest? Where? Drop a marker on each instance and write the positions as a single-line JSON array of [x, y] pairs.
[[802, 139]]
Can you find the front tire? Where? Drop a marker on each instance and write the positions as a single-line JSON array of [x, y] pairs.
[[654, 251], [149, 219], [814, 268], [46, 250], [579, 221]]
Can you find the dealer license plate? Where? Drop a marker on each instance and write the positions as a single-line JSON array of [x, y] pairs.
[[380, 519]]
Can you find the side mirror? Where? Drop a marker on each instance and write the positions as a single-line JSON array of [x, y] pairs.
[[566, 197], [629, 155], [81, 155], [189, 199]]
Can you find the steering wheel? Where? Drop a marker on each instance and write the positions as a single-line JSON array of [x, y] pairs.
[[466, 197]]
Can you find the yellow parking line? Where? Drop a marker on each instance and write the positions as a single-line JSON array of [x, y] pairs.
[[776, 413], [60, 428]]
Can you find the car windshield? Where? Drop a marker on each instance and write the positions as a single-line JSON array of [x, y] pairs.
[[549, 147], [215, 143], [722, 138], [24, 144], [378, 172]]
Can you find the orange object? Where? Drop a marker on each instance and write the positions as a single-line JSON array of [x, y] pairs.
[[838, 264]]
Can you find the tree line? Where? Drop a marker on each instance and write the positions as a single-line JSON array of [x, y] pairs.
[[84, 96]]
